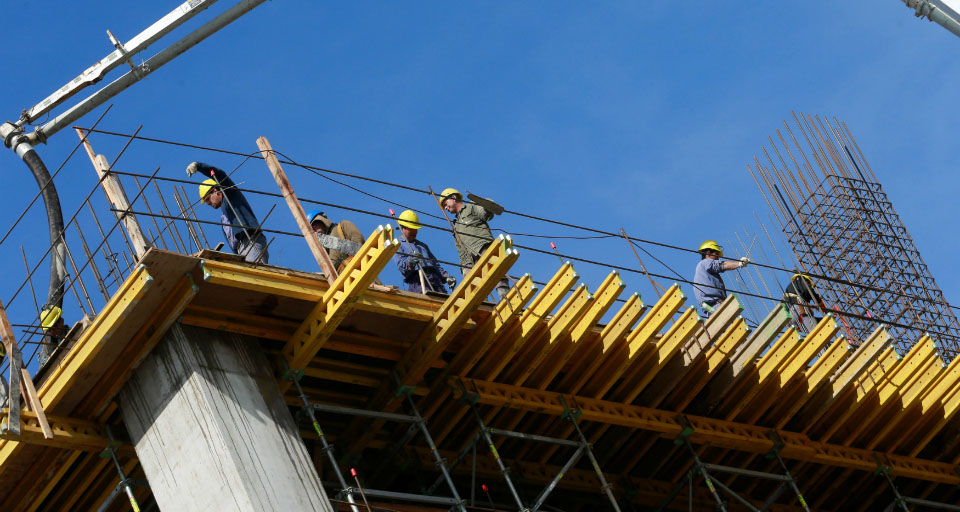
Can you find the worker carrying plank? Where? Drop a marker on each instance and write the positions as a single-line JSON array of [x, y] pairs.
[[416, 262], [471, 233], [798, 296], [240, 225], [341, 240], [708, 287]]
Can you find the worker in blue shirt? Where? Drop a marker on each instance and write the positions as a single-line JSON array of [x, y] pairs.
[[417, 264], [708, 287], [240, 225]]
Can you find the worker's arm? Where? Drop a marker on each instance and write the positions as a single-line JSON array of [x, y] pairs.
[[733, 265]]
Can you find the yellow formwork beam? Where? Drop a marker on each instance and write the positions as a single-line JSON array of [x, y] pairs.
[[813, 380], [501, 320], [492, 265], [611, 339], [532, 318], [711, 330], [264, 281], [621, 323], [654, 321], [477, 284], [362, 269], [650, 324], [606, 294], [709, 431], [728, 343], [558, 326], [815, 342], [865, 355], [915, 376], [919, 360], [650, 359]]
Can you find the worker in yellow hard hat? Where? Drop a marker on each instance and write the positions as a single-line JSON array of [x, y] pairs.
[[797, 296], [708, 286], [472, 234], [240, 225], [415, 260]]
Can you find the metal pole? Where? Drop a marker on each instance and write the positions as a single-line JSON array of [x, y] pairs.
[[504, 470], [327, 447], [593, 461], [123, 478], [441, 463], [553, 483]]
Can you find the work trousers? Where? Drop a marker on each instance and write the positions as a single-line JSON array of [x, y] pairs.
[[255, 251]]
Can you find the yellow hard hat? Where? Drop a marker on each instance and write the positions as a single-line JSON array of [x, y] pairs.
[[447, 192], [206, 187], [409, 219], [712, 245], [795, 276], [49, 316]]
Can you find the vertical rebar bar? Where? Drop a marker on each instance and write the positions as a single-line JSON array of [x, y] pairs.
[[175, 233], [146, 204], [78, 279], [193, 215], [92, 263]]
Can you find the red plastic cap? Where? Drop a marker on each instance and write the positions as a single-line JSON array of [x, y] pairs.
[[553, 246], [353, 472], [484, 487], [391, 212]]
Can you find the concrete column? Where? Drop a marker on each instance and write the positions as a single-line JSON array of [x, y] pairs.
[[211, 428]]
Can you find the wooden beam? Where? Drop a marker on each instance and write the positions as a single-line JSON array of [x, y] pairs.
[[20, 382], [117, 197], [319, 253]]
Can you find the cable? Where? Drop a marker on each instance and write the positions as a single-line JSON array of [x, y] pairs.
[[520, 214]]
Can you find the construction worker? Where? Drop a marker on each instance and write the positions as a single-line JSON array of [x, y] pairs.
[[471, 233], [416, 262], [708, 286], [351, 239], [54, 330], [240, 225], [797, 297]]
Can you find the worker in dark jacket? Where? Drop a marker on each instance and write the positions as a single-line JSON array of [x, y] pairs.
[[471, 232], [798, 296], [416, 261], [344, 230], [240, 225]]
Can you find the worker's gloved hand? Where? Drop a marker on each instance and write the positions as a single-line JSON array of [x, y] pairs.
[[744, 261], [451, 282], [414, 260], [193, 168]]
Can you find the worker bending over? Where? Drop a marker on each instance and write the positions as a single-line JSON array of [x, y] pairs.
[[797, 297], [340, 252], [708, 286], [416, 262], [240, 225], [471, 233]]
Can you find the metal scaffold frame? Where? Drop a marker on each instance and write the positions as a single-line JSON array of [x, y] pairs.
[[582, 446], [415, 419], [713, 483], [845, 233]]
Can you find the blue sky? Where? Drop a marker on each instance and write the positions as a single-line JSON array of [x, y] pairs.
[[640, 115]]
